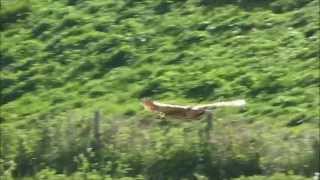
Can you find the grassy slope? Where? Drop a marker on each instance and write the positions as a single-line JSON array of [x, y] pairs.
[[106, 55]]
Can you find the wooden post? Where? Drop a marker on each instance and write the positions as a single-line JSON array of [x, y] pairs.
[[96, 130], [206, 130], [208, 126], [205, 138]]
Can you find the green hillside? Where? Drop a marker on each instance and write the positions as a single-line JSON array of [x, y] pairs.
[[61, 61]]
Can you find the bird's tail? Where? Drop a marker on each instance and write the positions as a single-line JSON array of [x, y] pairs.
[[235, 103]]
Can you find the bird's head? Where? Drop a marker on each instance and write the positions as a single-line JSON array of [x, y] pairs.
[[148, 104]]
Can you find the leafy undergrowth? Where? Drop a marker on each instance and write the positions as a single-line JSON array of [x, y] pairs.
[[63, 60]]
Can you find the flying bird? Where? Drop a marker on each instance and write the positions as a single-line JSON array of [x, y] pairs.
[[187, 112]]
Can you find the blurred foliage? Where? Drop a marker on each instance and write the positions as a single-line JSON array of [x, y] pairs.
[[63, 60], [11, 11], [277, 176]]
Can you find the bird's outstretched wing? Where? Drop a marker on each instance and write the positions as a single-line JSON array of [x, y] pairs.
[[235, 103]]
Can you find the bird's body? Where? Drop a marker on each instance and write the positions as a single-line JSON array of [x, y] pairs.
[[186, 112]]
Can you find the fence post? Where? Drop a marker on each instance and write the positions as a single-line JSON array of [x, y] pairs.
[[208, 126], [96, 130]]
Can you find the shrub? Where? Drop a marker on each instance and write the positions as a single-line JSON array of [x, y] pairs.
[[203, 90], [69, 21], [163, 7], [5, 58], [73, 2], [41, 27], [11, 12], [151, 88], [280, 6]]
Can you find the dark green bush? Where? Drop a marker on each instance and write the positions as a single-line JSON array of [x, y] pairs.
[[96, 93], [12, 12], [11, 94], [182, 164], [120, 58], [40, 28], [280, 6], [268, 84], [5, 58], [246, 4], [73, 2], [163, 7], [151, 89], [202, 90], [69, 20], [6, 82]]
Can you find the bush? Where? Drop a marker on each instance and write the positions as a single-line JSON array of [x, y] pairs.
[[203, 90], [41, 27], [152, 88], [280, 6], [11, 12], [163, 7]]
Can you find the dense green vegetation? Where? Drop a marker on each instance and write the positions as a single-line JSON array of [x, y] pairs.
[[61, 61]]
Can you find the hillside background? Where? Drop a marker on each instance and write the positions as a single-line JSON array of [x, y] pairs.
[[73, 73]]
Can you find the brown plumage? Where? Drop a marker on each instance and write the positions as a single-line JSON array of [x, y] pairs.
[[187, 112]]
